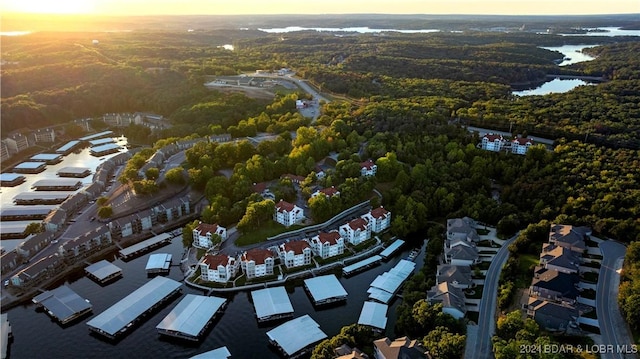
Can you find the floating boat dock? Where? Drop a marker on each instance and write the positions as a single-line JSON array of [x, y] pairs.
[[28, 198], [30, 167], [158, 263], [145, 245], [5, 334], [68, 147], [103, 271], [325, 289], [374, 315], [271, 304], [101, 141], [361, 265], [76, 172], [189, 319], [96, 136], [102, 150], [296, 336], [25, 213], [386, 285], [48, 158], [11, 179], [220, 353], [389, 251], [63, 304], [57, 184], [120, 317]]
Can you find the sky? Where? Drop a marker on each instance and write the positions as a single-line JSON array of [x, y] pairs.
[[247, 7]]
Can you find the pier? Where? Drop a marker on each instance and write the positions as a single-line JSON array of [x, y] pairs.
[[63, 304], [158, 263], [386, 285], [272, 304], [325, 289], [144, 246], [361, 265], [389, 251]]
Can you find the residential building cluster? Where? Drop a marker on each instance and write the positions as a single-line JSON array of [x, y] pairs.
[[454, 276], [20, 141], [260, 262], [554, 290], [496, 143]]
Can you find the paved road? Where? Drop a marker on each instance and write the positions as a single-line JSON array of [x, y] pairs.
[[481, 347], [613, 328]]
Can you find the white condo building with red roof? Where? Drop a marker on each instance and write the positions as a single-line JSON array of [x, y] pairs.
[[327, 244], [492, 142], [218, 268], [379, 219], [328, 192], [368, 168], [521, 145], [257, 262], [203, 234], [295, 253], [287, 213], [356, 231]]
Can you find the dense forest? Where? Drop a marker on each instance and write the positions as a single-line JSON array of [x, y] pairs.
[[398, 99]]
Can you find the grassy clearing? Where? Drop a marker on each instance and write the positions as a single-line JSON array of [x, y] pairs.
[[525, 262], [269, 229]]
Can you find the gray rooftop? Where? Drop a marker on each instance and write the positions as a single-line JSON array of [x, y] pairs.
[[379, 295], [392, 280], [57, 182], [30, 196], [374, 314], [392, 248], [191, 315], [296, 334], [119, 315], [62, 302], [325, 287], [144, 244], [26, 210], [271, 301], [14, 227], [159, 261], [220, 353], [74, 170], [103, 269]]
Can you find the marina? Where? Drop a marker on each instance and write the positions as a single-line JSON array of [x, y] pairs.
[[271, 304], [63, 304], [31, 198], [158, 263], [101, 141], [386, 285], [389, 251], [374, 315], [48, 158], [102, 150], [68, 147], [190, 318], [59, 184], [220, 353], [361, 265], [145, 245], [11, 179], [120, 317], [103, 271], [76, 172], [325, 289], [14, 229], [24, 213], [30, 167], [295, 336], [96, 136]]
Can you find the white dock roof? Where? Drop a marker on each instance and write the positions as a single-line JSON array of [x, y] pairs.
[[325, 287], [103, 269], [362, 263], [379, 295], [144, 244], [374, 314], [271, 301], [62, 302], [220, 353], [159, 261], [392, 248], [45, 157], [101, 141], [191, 315], [116, 317], [296, 334]]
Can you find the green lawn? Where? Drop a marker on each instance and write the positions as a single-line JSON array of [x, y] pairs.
[[525, 261], [261, 234], [477, 292], [482, 231]]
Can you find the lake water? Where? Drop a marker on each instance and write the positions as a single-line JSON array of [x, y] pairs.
[[37, 336], [572, 53], [361, 30], [608, 31], [553, 86]]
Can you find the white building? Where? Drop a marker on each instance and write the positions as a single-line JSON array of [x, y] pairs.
[[287, 213], [368, 168], [257, 262], [327, 244], [45, 135], [379, 219], [295, 253], [356, 231], [16, 143], [218, 268], [521, 145], [327, 192], [203, 234], [492, 142]]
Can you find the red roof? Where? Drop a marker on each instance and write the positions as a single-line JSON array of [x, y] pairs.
[[492, 137], [330, 237], [297, 247], [358, 223], [213, 261], [523, 141], [329, 191], [379, 212], [205, 228], [284, 206], [258, 255], [368, 164], [293, 178], [259, 187]]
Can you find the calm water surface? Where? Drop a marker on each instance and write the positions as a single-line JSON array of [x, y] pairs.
[[37, 336], [553, 86]]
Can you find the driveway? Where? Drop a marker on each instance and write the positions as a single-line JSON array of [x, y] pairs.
[[613, 329]]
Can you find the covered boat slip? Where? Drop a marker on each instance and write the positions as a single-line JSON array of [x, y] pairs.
[[63, 304], [29, 198], [57, 184], [11, 179], [158, 263], [374, 315], [271, 303], [118, 318], [189, 319], [68, 147], [77, 172], [104, 149], [294, 336], [390, 281], [220, 353], [96, 136], [325, 289], [48, 158], [361, 265], [23, 213], [144, 245], [389, 251], [103, 271]]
